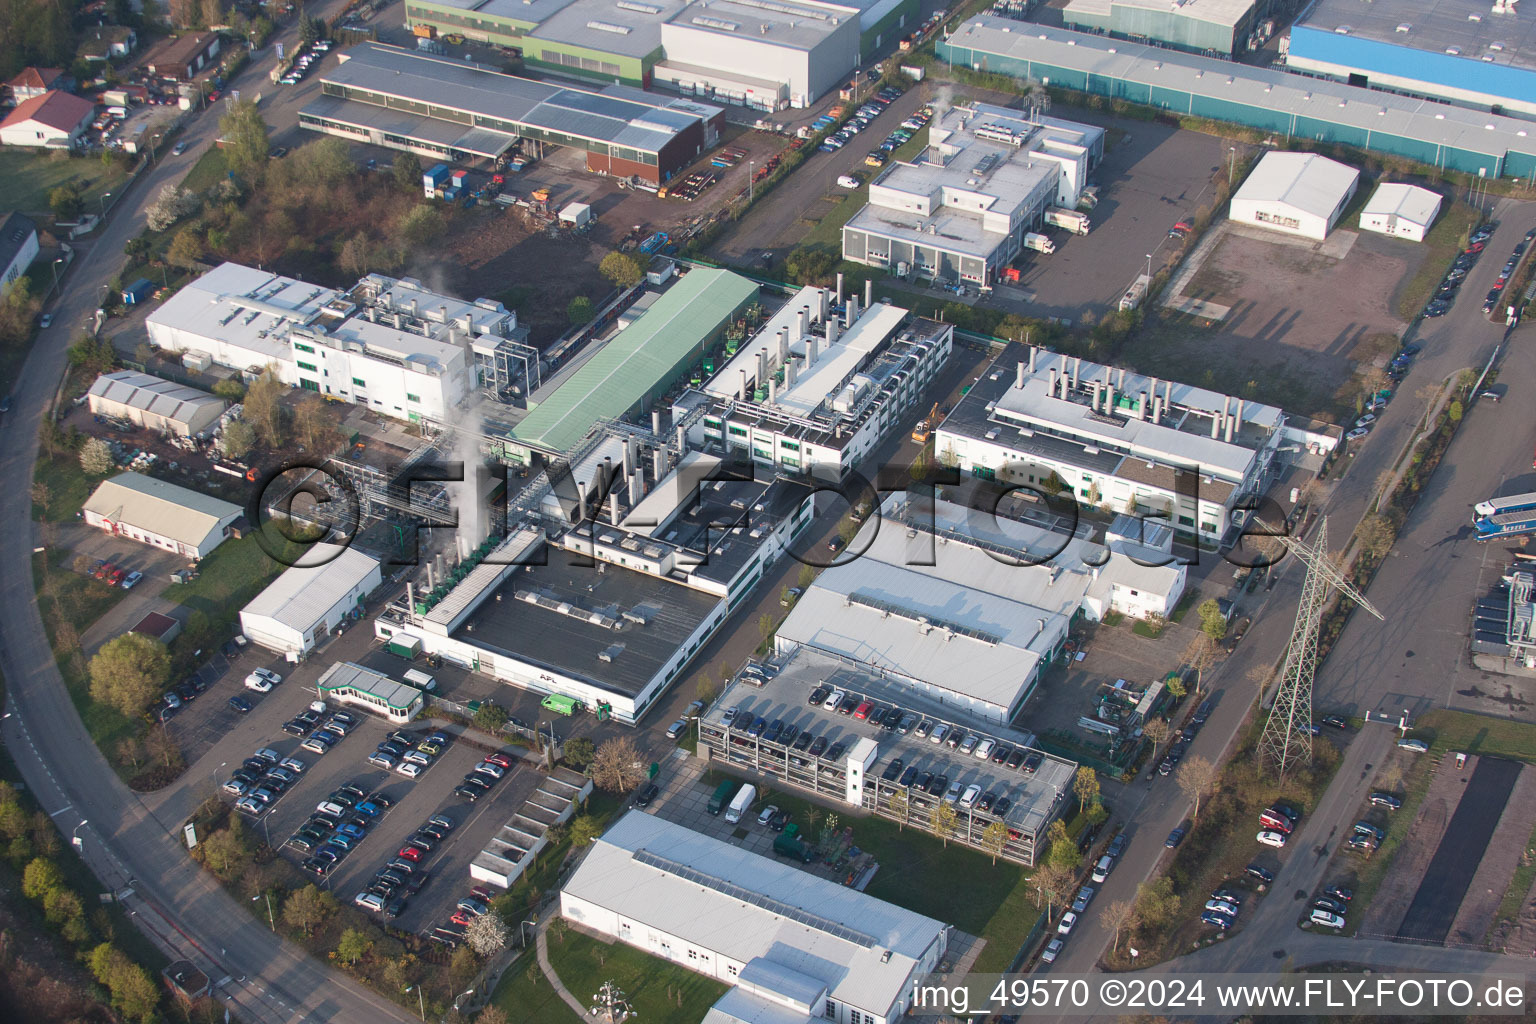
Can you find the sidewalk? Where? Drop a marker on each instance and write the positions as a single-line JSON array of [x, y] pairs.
[[542, 945]]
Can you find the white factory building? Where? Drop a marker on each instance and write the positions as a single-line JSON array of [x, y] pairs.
[[154, 403], [1401, 210], [392, 345], [1295, 193], [1113, 439], [794, 947], [960, 212], [310, 599], [763, 55], [969, 609], [161, 514], [823, 381]]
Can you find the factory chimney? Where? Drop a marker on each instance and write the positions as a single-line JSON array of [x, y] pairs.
[[581, 502], [804, 322], [613, 506], [656, 422], [821, 295], [1077, 365], [839, 288], [853, 311], [784, 344], [629, 455], [1018, 377], [682, 441], [741, 389], [659, 464], [869, 292], [773, 391], [790, 368], [833, 330], [1141, 407], [636, 480], [1031, 360]]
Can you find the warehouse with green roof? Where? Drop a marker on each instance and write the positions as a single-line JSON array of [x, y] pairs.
[[638, 365]]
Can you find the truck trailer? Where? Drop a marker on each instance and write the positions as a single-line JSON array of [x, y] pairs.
[[1509, 524], [1072, 220]]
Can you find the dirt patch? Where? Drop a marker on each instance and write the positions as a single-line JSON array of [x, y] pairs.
[[1498, 864], [1519, 937], [1397, 890], [1301, 321]]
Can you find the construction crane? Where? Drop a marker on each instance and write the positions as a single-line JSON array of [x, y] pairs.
[[1287, 738], [925, 425]]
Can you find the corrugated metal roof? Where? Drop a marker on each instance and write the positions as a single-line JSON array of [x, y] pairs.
[[160, 507], [634, 362], [1309, 182], [344, 674], [150, 394], [303, 593]]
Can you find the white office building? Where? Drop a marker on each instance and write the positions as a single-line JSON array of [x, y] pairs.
[[1401, 210], [390, 344], [823, 381], [1113, 439], [310, 599], [960, 211], [1295, 193], [794, 947]]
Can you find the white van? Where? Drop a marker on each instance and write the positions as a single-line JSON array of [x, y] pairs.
[[1102, 869], [424, 680], [742, 802], [1327, 919]]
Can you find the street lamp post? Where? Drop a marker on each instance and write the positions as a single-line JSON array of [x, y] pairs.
[[213, 774], [1231, 164], [56, 272], [102, 200], [751, 166], [271, 920], [74, 837], [523, 928], [420, 1004], [1149, 266]]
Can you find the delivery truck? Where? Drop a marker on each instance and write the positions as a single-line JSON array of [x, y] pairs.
[[741, 804], [722, 797], [1039, 243], [1072, 220]]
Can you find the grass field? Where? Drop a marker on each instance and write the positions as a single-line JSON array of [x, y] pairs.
[[210, 169], [235, 572], [657, 989], [27, 177], [527, 998], [1451, 731], [68, 487]]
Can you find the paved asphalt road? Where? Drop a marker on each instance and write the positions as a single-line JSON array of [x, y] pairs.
[[1424, 590], [183, 909]]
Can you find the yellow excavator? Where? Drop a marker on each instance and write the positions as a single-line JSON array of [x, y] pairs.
[[925, 425]]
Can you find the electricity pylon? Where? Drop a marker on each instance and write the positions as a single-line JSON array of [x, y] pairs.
[[1287, 738]]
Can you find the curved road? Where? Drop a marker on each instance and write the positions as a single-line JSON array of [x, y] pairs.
[[185, 911]]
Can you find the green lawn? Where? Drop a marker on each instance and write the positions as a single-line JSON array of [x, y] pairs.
[[237, 571], [527, 998], [68, 487], [210, 169], [652, 985], [1519, 885], [26, 178], [954, 884], [1452, 731]]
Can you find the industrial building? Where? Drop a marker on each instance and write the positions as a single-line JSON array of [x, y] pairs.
[[391, 344], [821, 383], [794, 947], [1295, 193], [968, 610], [372, 691], [961, 211], [607, 594], [766, 54], [1474, 53], [447, 109], [161, 514], [1113, 439], [1289, 106], [637, 366], [296, 611], [154, 403], [1212, 27], [1401, 210]]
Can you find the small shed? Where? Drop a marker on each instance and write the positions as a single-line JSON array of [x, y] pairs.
[[576, 215], [161, 627]]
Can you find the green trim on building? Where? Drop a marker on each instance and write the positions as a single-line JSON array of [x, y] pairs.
[[596, 65], [890, 27]]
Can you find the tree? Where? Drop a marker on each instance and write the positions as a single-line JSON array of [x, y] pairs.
[[623, 269], [807, 265], [186, 249], [66, 201], [901, 806], [162, 747], [307, 908], [491, 717], [230, 389], [943, 821], [407, 172], [420, 227], [617, 767], [1053, 883], [580, 311], [579, 752], [237, 439], [1060, 849], [1196, 777], [39, 878], [134, 994], [96, 457], [1157, 730], [487, 934], [584, 830], [1085, 786], [493, 1015], [1212, 621], [1118, 917], [1375, 536], [1156, 903], [463, 965], [314, 426], [993, 838], [353, 944], [129, 671], [61, 905], [1176, 687], [1201, 654], [228, 851], [264, 408], [171, 205], [356, 255], [246, 146]]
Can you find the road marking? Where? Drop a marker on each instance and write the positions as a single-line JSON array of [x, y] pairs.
[[61, 810]]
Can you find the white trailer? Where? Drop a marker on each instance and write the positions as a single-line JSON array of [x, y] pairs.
[[1039, 243], [740, 805], [1072, 220]]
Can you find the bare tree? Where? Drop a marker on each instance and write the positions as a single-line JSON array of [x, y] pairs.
[[1118, 917], [618, 767], [1053, 882], [1200, 655], [1260, 676], [943, 821], [1197, 776], [1157, 730]]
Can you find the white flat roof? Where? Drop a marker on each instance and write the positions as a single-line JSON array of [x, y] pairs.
[[1304, 181], [486, 315], [724, 383], [1410, 202], [379, 339], [748, 907], [1217, 12], [305, 592], [818, 382], [244, 307], [791, 24]]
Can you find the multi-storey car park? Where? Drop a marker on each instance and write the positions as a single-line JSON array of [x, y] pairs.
[[448, 109], [1290, 106], [961, 210], [1107, 437]]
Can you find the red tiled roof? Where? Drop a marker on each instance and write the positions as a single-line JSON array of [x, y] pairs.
[[61, 110], [35, 78]]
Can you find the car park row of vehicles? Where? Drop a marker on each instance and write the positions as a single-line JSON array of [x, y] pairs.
[[114, 575], [1491, 300], [403, 877], [261, 780], [338, 824], [894, 141], [303, 61], [861, 119]]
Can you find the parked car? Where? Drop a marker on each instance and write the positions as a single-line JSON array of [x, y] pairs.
[[1262, 874], [1386, 800], [1269, 837], [1174, 839], [646, 794], [1417, 746], [1326, 919], [240, 704], [1052, 951], [1216, 920]]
